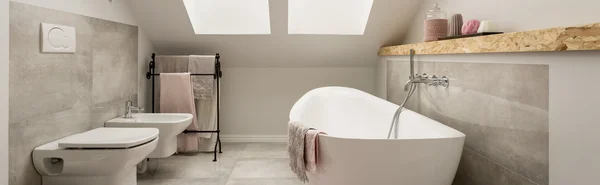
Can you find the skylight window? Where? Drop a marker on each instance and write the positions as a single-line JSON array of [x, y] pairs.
[[329, 17], [226, 17]]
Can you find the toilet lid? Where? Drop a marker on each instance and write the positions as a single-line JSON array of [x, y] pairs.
[[110, 138]]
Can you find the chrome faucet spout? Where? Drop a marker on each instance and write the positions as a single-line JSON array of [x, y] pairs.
[[411, 86], [129, 108]]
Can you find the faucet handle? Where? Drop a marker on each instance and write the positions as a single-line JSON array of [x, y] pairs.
[[417, 76], [445, 82]]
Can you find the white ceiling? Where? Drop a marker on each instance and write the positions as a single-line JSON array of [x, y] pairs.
[[168, 26]]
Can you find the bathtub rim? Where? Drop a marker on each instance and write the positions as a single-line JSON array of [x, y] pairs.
[[456, 136], [300, 104], [407, 139]]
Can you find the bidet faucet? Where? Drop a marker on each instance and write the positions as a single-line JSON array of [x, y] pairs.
[[129, 108]]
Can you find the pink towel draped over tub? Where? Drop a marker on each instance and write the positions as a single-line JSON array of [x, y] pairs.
[[311, 150], [176, 96], [303, 149]]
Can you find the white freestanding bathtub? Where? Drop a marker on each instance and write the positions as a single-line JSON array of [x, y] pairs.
[[356, 151]]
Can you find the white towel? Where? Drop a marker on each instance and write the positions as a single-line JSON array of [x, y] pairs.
[[204, 92], [203, 85], [207, 116]]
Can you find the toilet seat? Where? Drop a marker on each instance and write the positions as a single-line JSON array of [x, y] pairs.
[[109, 138], [97, 157]]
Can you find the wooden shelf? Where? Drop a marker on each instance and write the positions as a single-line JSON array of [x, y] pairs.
[[578, 38]]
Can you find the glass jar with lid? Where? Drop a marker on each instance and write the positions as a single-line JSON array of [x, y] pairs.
[[436, 24]]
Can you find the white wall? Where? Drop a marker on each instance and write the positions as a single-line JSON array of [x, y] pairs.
[[145, 50], [513, 15], [4, 91], [117, 11], [256, 101]]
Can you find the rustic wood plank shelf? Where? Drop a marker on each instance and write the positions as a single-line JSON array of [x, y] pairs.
[[577, 38]]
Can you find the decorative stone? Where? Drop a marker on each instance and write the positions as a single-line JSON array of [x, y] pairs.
[[455, 25], [470, 27], [486, 26], [578, 38]]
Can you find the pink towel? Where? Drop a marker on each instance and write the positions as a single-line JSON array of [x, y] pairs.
[[176, 96], [311, 150]]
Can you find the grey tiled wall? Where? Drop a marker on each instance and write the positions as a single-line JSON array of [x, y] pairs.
[[503, 110], [56, 95]]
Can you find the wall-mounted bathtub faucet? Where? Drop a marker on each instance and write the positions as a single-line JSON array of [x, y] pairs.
[[411, 86], [425, 79]]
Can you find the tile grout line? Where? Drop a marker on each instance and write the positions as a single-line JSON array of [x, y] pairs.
[[237, 160], [501, 165]]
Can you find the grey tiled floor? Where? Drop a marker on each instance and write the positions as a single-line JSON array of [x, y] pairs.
[[239, 164]]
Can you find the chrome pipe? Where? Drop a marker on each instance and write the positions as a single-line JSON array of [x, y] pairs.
[[412, 64]]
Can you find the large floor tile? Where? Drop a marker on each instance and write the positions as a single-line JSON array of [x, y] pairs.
[[192, 181], [234, 150], [190, 166], [265, 150], [262, 168], [290, 181]]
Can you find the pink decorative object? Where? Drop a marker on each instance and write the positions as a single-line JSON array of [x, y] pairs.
[[436, 24], [470, 27], [435, 29]]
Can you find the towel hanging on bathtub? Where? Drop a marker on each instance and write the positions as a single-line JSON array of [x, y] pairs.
[[296, 137], [311, 150], [303, 149]]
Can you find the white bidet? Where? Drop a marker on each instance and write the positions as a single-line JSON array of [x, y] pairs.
[[169, 124]]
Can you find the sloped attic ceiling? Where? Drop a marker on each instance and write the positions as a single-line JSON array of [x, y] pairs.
[[167, 24]]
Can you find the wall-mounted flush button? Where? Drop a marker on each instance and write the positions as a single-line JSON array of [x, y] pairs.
[[58, 39]]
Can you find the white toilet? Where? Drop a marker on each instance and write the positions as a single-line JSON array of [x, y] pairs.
[[102, 156]]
